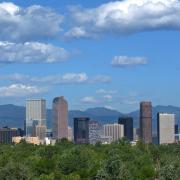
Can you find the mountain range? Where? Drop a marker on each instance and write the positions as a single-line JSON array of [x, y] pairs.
[[14, 116]]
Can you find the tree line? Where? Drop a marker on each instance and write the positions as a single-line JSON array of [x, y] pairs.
[[67, 161]]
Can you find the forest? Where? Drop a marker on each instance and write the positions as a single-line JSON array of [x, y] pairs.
[[67, 161]]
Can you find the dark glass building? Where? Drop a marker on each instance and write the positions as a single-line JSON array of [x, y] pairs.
[[81, 130], [128, 127], [176, 128], [6, 134], [146, 122]]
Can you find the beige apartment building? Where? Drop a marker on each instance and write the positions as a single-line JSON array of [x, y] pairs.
[[116, 131], [165, 128]]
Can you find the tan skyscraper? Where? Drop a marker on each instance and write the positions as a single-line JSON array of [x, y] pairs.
[[165, 128], [116, 131], [60, 118], [41, 132]]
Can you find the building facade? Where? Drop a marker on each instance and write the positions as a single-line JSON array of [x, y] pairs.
[[128, 127], [41, 132], [70, 134], [6, 134], [95, 132], [176, 129], [35, 115], [60, 118], [146, 122], [116, 131], [165, 128], [81, 130], [136, 134]]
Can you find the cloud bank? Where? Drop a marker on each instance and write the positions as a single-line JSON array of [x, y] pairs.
[[19, 90], [125, 61], [126, 17], [33, 23], [31, 52], [68, 78]]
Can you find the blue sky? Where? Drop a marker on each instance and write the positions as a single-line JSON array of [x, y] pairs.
[[103, 53]]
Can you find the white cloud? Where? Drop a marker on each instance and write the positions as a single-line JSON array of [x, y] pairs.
[[68, 78], [89, 99], [124, 61], [128, 16], [108, 97], [72, 77], [19, 90], [31, 52], [105, 91], [28, 24], [109, 107], [101, 78], [77, 32]]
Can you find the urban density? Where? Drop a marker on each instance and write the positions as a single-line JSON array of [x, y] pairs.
[[87, 131]]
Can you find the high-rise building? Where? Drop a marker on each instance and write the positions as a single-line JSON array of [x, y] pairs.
[[70, 134], [6, 134], [81, 130], [146, 122], [165, 128], [176, 129], [128, 127], [136, 134], [60, 118], [41, 132], [35, 114], [95, 132], [116, 131]]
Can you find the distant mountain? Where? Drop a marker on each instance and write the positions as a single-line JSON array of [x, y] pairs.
[[14, 116]]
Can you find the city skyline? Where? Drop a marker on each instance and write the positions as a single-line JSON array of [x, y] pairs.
[[131, 59]]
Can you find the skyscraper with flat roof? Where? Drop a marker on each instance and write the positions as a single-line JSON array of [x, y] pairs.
[[41, 132], [146, 122], [35, 112], [165, 128], [70, 134], [128, 127], [60, 118], [81, 130], [116, 131]]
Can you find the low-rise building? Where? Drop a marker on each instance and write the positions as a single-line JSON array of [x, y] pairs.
[[6, 134]]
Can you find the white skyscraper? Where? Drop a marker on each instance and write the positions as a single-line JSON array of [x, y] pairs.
[[165, 128], [70, 134], [35, 114], [116, 131]]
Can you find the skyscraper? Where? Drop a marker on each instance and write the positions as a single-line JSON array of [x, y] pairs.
[[146, 122], [41, 132], [116, 131], [95, 132], [176, 129], [128, 127], [81, 130], [70, 134], [60, 118], [35, 112], [165, 128]]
